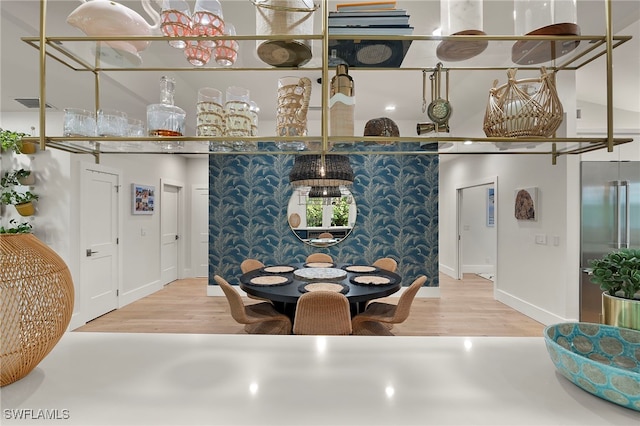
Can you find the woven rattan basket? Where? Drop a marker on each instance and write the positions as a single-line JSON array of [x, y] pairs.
[[526, 107], [36, 303]]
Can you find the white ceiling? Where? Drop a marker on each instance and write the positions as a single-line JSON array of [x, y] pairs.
[[133, 91]]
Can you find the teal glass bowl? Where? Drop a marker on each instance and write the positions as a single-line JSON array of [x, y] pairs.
[[601, 359]]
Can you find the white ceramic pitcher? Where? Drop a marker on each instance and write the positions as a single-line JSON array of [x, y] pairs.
[[102, 18]]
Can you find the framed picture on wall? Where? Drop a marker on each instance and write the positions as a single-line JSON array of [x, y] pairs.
[[526, 202], [491, 217], [143, 199]]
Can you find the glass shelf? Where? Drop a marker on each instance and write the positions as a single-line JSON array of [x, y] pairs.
[[79, 55]]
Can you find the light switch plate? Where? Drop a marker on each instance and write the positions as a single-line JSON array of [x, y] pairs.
[[541, 239]]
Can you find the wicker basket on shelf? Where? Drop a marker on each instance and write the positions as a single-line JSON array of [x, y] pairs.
[[526, 107]]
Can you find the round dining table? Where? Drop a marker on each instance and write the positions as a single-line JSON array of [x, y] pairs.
[[284, 284]]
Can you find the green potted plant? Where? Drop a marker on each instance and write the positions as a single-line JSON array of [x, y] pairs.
[[23, 201], [16, 228], [12, 141], [618, 275], [17, 177]]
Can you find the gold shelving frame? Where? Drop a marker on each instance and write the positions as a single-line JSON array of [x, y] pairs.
[[53, 48]]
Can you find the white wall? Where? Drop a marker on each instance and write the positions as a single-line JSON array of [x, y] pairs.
[[529, 276], [56, 219], [540, 280]]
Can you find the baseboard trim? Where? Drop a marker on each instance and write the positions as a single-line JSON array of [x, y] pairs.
[[76, 321], [447, 270], [139, 293], [541, 315]]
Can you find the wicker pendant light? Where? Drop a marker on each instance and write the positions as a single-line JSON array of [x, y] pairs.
[[330, 170], [325, 192]]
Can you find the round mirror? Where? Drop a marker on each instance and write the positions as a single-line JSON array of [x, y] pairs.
[[321, 217]]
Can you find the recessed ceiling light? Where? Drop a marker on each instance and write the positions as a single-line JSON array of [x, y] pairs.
[[390, 108], [468, 142]]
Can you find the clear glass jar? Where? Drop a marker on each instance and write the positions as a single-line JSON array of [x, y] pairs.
[[175, 21], [460, 15], [227, 50], [531, 15], [165, 118], [207, 21]]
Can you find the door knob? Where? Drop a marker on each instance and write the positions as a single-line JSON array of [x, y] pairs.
[[90, 252]]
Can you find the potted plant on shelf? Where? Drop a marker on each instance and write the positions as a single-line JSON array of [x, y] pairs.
[[16, 228], [618, 275], [12, 141], [23, 201]]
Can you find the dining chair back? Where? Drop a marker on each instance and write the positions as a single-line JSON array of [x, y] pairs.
[[258, 318], [249, 265], [388, 313], [326, 235], [386, 263], [322, 313], [319, 257]]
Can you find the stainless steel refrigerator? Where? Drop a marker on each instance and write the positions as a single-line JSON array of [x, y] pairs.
[[610, 220]]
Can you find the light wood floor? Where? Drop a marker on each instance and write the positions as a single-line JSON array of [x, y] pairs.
[[465, 308]]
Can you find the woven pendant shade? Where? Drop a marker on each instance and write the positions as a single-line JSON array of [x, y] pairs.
[[325, 192], [308, 171], [36, 303]]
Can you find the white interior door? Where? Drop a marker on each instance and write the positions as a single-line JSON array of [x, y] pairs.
[[170, 233], [99, 237], [200, 230]]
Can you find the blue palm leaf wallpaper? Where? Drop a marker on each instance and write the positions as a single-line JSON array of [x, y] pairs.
[[396, 197]]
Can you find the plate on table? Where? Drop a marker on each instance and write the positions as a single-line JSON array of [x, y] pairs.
[[319, 265], [278, 269], [320, 273], [269, 280], [360, 269], [336, 287], [371, 280]]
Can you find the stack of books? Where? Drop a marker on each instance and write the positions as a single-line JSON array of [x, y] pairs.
[[363, 19], [369, 18]]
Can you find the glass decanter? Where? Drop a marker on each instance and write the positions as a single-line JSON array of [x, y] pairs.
[[165, 118]]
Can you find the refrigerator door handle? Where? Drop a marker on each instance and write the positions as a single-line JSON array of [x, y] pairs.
[[617, 242], [627, 211], [621, 214]]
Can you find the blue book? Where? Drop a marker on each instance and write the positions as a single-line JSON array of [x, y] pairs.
[[372, 30], [364, 21]]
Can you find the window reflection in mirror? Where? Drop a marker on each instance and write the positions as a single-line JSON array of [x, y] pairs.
[[321, 221]]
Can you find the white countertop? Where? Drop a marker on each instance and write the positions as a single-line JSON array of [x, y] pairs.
[[191, 379]]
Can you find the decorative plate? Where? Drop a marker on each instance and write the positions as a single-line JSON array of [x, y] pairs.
[[371, 280], [319, 265], [601, 359], [320, 273], [269, 280], [360, 269], [338, 288], [278, 269], [294, 220]]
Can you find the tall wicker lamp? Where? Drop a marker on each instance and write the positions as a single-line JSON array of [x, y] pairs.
[[36, 294]]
